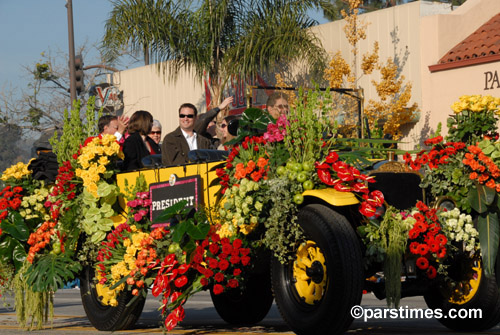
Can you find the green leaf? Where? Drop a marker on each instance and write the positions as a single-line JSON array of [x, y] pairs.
[[198, 232], [170, 212], [480, 197], [179, 231], [121, 281], [489, 230], [18, 255], [16, 227], [51, 272]]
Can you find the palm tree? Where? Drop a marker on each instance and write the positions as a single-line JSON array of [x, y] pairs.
[[219, 38]]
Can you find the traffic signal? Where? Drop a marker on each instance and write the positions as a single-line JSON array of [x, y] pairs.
[[79, 74]]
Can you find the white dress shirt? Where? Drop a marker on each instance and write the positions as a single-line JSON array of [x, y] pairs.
[[191, 140]]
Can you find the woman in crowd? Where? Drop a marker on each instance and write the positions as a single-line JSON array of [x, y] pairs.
[[138, 144], [223, 133], [155, 133]]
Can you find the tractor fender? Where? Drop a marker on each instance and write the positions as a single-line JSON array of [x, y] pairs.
[[332, 196]]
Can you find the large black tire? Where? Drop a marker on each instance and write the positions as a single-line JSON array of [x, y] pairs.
[[485, 298], [250, 305], [104, 317], [334, 275]]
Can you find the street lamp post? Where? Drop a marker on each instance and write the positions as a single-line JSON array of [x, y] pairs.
[[71, 42]]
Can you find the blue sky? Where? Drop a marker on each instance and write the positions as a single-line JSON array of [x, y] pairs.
[[30, 27]]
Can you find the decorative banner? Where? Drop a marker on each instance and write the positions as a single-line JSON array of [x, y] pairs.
[[166, 194]]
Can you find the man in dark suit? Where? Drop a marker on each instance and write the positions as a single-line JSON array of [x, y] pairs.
[[178, 143]]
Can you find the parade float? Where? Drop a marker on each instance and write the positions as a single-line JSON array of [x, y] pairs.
[[294, 212]]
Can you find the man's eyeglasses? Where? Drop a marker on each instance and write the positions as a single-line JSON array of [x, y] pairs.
[[190, 116], [155, 132], [282, 106]]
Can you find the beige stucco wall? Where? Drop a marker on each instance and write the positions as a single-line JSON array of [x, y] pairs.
[[145, 88], [440, 33]]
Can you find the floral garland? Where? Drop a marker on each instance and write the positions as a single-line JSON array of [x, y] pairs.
[[428, 244]]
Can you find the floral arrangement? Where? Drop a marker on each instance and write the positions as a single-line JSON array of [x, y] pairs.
[[95, 161], [427, 243], [16, 172]]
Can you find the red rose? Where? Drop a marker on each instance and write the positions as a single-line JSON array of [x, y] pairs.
[[204, 281], [233, 283], [218, 289], [244, 251], [223, 264], [235, 259], [214, 248], [245, 260], [227, 248], [212, 263], [236, 272], [237, 243], [219, 277]]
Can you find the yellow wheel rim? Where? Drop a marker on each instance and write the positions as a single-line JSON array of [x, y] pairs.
[[309, 272], [474, 286]]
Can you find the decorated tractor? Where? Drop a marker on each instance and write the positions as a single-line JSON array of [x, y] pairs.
[[292, 213]]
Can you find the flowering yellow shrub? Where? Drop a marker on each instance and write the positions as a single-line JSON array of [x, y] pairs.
[[94, 159], [476, 103], [16, 171], [32, 205]]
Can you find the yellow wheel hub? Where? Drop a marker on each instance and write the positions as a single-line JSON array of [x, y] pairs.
[[474, 286], [309, 272]]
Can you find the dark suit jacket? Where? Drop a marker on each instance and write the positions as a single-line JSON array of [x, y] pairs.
[[174, 149], [135, 150]]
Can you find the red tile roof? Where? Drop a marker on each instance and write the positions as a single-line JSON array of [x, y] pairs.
[[482, 46]]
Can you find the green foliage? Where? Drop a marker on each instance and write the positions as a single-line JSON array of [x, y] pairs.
[[469, 127], [309, 126], [97, 211], [282, 232], [386, 242], [253, 121], [485, 201], [186, 225], [74, 132], [51, 272], [32, 308], [13, 240]]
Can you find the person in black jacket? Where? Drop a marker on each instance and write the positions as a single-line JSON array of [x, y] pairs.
[[138, 144]]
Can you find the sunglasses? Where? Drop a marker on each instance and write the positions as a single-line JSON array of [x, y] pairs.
[[156, 132], [223, 125], [190, 116]]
